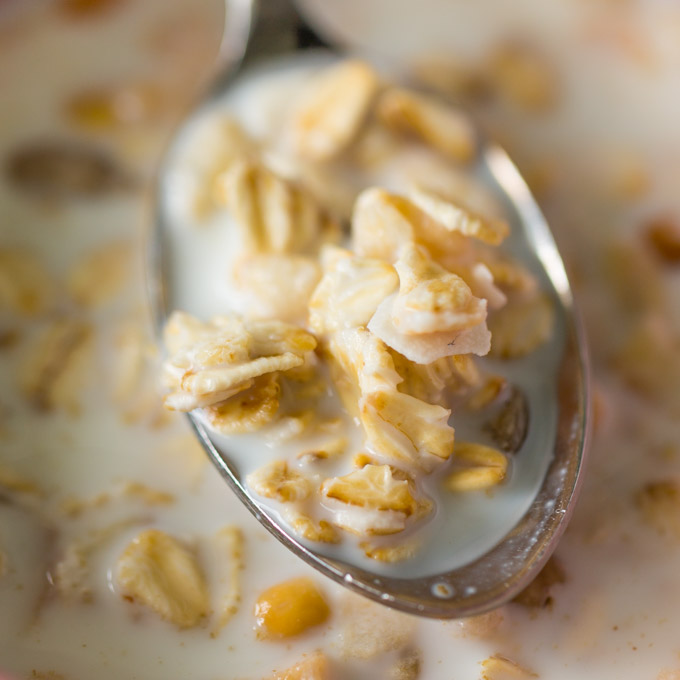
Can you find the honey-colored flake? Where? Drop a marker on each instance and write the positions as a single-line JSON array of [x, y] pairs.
[[100, 275], [351, 289], [25, 286], [313, 667], [430, 299], [215, 361], [663, 235], [333, 447], [17, 483], [522, 326], [481, 467], [248, 410], [659, 506], [290, 608], [228, 543], [404, 429], [55, 371], [456, 218], [428, 119], [538, 594], [157, 571], [524, 77], [275, 285], [487, 393], [389, 553], [320, 532], [332, 109], [279, 482], [273, 215], [499, 667]]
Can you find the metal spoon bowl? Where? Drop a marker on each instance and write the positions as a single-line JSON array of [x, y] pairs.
[[512, 561]]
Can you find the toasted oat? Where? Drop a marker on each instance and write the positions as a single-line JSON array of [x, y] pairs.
[[522, 326], [430, 299], [457, 218], [351, 289], [276, 285], [229, 544], [273, 215], [321, 531], [659, 505], [55, 371], [406, 430], [538, 594], [487, 393], [101, 274], [248, 410], [313, 667], [524, 77], [214, 361], [290, 608], [389, 553], [439, 125], [509, 427], [277, 481], [157, 571], [25, 286], [499, 667], [332, 109], [480, 467]]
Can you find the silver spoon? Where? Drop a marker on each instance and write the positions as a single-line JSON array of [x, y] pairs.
[[513, 560]]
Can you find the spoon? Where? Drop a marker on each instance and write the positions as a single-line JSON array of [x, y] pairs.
[[554, 451]]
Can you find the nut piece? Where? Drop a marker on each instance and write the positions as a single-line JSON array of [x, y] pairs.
[[499, 667], [437, 124], [333, 109], [276, 480], [351, 289], [509, 427], [25, 287], [663, 234], [484, 467], [163, 575], [289, 609], [314, 667]]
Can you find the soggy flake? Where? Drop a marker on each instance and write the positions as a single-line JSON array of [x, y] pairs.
[[406, 430], [278, 481], [228, 544], [312, 667], [477, 467], [522, 326], [306, 527], [100, 275], [55, 372], [158, 572], [332, 109], [25, 286], [428, 119], [389, 553], [499, 667], [248, 410], [351, 289]]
